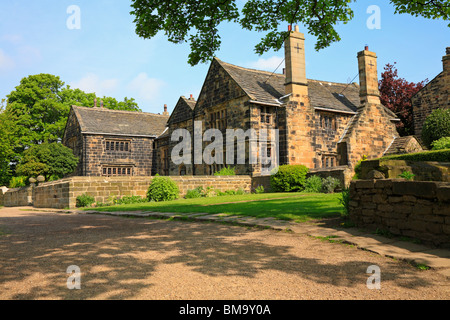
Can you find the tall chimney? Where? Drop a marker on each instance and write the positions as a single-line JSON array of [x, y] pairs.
[[446, 61], [368, 77], [294, 51], [165, 110]]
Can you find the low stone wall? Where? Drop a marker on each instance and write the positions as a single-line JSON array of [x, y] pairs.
[[63, 193], [343, 173], [18, 197], [414, 209], [423, 170]]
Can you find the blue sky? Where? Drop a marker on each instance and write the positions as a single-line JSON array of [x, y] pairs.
[[107, 57]]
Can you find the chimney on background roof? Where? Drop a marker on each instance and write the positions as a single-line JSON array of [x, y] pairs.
[[95, 103], [165, 110], [368, 77], [446, 61], [101, 104], [295, 71]]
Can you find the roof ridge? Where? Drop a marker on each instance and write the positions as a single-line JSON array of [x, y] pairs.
[[120, 111], [249, 69]]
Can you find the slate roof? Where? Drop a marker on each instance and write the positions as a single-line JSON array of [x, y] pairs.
[[118, 122], [268, 87]]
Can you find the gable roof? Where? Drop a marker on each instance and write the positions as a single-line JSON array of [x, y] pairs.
[[183, 110], [118, 122], [267, 88]]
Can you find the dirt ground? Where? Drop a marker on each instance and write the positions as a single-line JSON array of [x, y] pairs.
[[124, 258]]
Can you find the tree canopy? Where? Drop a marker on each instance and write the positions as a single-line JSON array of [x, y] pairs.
[[36, 111], [396, 94], [52, 160], [197, 22]]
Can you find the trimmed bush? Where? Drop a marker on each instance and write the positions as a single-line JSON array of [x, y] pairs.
[[436, 126], [84, 201], [439, 156], [313, 184], [330, 184], [162, 189], [289, 178], [441, 144]]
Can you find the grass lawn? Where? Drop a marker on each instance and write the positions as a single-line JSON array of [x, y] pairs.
[[298, 207]]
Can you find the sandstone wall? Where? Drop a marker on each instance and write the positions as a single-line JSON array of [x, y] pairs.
[[415, 209]]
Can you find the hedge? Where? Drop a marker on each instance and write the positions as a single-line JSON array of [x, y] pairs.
[[438, 156]]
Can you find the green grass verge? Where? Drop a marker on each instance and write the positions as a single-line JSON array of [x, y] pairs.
[[299, 207]]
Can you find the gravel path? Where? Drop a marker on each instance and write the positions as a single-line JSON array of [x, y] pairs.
[[123, 258]]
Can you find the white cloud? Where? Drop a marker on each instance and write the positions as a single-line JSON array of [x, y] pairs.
[[91, 83], [269, 64], [142, 87], [6, 62]]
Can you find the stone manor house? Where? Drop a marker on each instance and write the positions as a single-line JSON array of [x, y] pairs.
[[321, 124]]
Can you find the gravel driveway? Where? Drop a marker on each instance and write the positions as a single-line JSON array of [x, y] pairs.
[[123, 258]]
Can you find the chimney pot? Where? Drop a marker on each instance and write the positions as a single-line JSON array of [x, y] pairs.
[[289, 28], [192, 97], [447, 51], [366, 48]]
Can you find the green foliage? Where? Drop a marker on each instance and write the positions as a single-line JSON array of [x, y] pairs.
[[226, 171], [344, 199], [17, 182], [195, 193], [329, 184], [407, 175], [358, 168], [47, 159], [289, 178], [259, 189], [84, 200], [436, 126], [439, 156], [131, 200], [162, 189], [313, 184], [197, 22], [441, 144]]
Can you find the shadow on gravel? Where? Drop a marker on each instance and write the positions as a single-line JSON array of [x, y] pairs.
[[118, 256]]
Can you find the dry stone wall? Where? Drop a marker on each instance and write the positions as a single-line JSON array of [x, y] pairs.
[[416, 209]]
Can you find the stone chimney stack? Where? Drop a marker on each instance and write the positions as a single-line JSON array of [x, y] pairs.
[[294, 50], [368, 77], [446, 61], [166, 113]]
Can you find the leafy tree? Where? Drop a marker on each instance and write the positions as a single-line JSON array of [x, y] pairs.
[[36, 112], [197, 22], [436, 126], [47, 159], [396, 94]]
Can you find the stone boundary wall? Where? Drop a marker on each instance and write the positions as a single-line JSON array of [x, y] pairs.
[[415, 209], [17, 197], [63, 193]]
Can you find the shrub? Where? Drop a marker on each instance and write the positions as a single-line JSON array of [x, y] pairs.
[[436, 126], [441, 144], [162, 189], [358, 168], [194, 193], [329, 184], [438, 155], [344, 199], [130, 200], [313, 184], [289, 178], [259, 189], [226, 171], [240, 192], [407, 175], [17, 182], [84, 201]]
